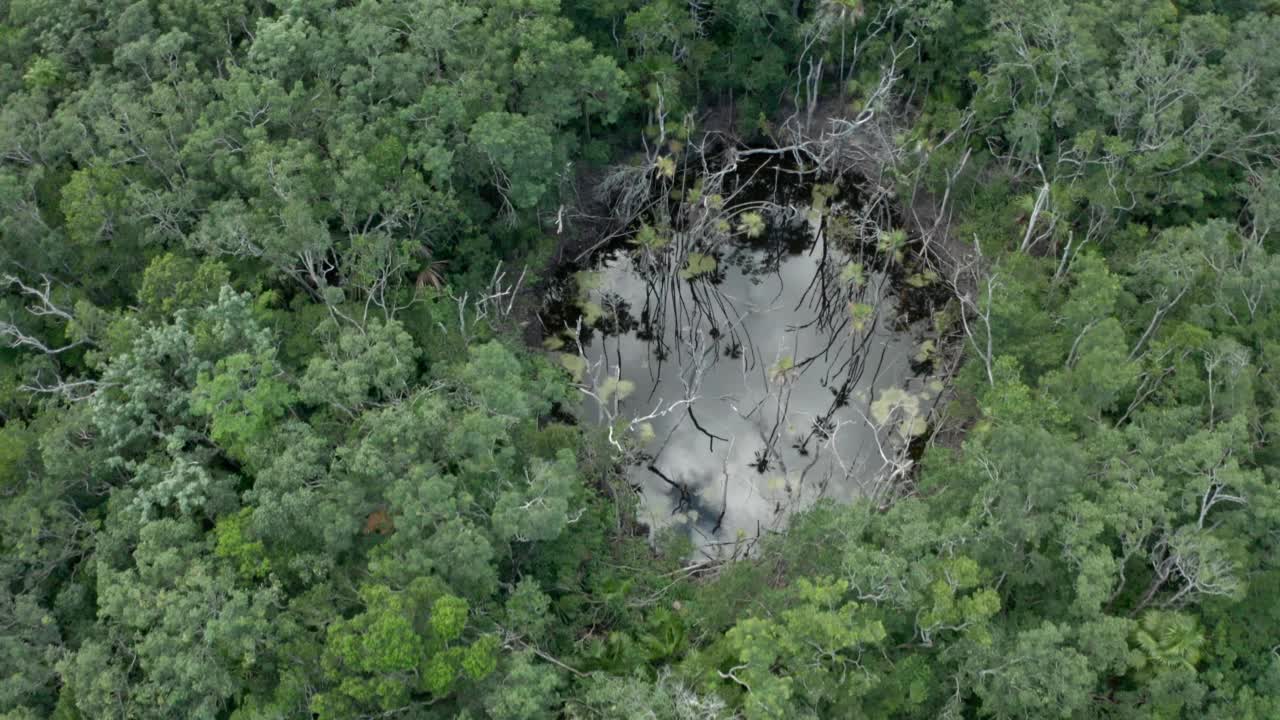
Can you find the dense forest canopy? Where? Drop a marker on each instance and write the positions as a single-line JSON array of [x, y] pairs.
[[273, 443]]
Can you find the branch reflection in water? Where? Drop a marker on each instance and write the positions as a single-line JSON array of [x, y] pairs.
[[758, 377]]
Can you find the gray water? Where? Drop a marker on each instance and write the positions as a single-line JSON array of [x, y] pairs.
[[761, 359]]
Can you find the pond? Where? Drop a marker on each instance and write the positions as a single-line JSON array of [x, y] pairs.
[[750, 377]]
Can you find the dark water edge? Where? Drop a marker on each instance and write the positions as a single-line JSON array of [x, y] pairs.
[[782, 242]]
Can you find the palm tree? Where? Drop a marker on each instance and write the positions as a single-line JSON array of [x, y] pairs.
[[433, 272], [1168, 640]]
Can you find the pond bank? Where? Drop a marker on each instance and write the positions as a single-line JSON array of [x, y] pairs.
[[751, 360]]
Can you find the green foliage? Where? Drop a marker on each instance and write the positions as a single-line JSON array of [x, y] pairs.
[[234, 544], [1167, 641], [698, 265], [16, 444], [751, 225], [650, 239], [92, 202], [521, 154], [804, 657], [242, 398], [853, 274], [539, 509], [280, 472], [860, 315], [401, 640], [1036, 675], [663, 698], [172, 283], [528, 692], [361, 367]]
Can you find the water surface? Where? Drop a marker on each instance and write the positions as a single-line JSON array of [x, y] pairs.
[[780, 376]]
